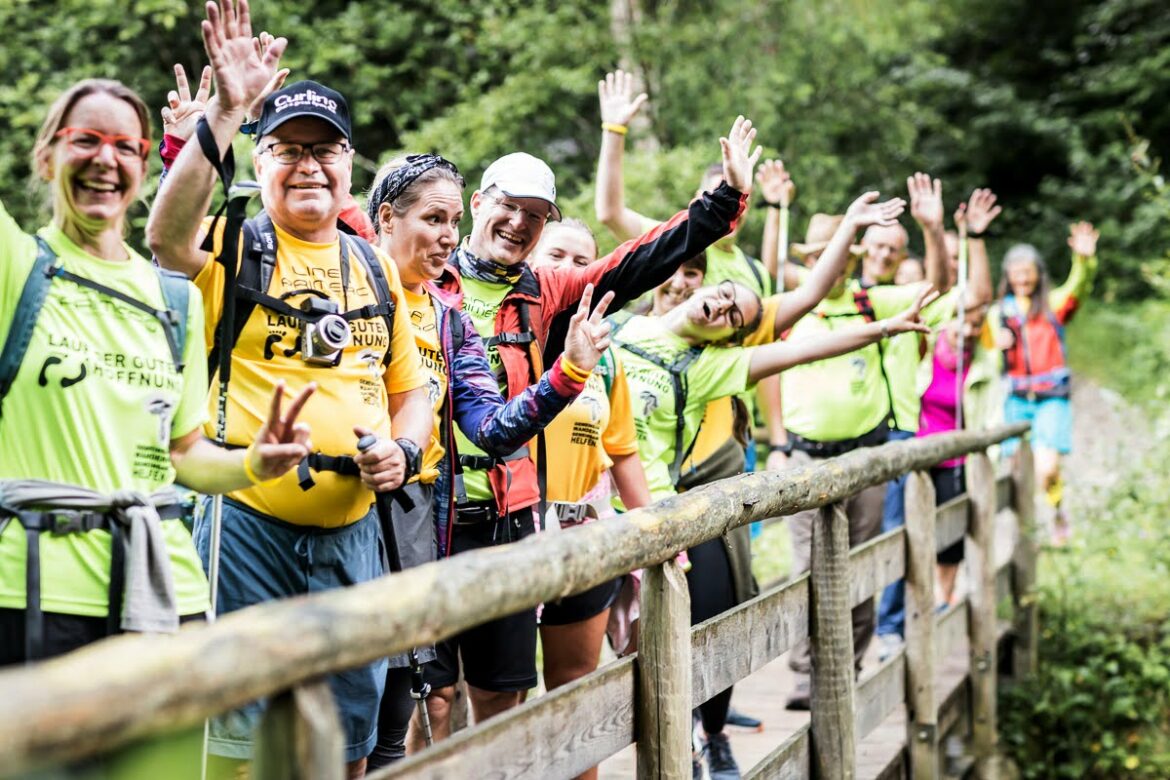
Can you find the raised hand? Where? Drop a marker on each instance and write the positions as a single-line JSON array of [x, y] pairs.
[[262, 44], [979, 211], [616, 94], [282, 442], [926, 204], [588, 334], [182, 110], [865, 212], [738, 158], [242, 71], [909, 320], [775, 184], [1082, 239]]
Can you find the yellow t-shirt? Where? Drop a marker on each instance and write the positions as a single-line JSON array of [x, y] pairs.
[[354, 392], [597, 425], [426, 338]]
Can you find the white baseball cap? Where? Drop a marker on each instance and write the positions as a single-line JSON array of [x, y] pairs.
[[520, 175]]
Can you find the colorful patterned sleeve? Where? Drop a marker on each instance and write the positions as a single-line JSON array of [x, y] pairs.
[[499, 427]]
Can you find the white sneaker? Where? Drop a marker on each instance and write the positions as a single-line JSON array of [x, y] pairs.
[[888, 644]]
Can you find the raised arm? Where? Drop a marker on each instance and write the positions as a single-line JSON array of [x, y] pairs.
[[242, 73], [499, 427], [977, 214], [649, 260], [775, 357], [618, 106], [1082, 240], [862, 213], [777, 190], [926, 206]]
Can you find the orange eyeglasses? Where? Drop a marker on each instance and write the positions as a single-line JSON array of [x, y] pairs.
[[86, 141]]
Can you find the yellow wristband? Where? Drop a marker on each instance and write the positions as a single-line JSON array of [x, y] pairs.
[[614, 128], [248, 472], [576, 373]]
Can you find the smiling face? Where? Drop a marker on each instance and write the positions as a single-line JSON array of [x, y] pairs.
[[717, 313], [677, 289], [506, 229], [885, 247], [421, 239], [565, 244], [95, 181], [305, 197], [1022, 276]]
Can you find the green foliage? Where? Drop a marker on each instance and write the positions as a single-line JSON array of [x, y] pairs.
[[1058, 106]]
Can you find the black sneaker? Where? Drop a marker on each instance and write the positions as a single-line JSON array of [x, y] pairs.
[[737, 718], [799, 698], [720, 763]]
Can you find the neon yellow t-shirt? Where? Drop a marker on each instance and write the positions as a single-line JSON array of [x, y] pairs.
[[351, 393], [103, 418], [845, 396], [717, 372], [594, 427], [481, 301], [426, 338]]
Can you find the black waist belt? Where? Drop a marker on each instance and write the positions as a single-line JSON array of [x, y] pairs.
[[831, 449], [316, 461], [70, 521], [485, 462], [476, 512]]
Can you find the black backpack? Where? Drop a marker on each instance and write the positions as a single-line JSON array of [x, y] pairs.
[[176, 295]]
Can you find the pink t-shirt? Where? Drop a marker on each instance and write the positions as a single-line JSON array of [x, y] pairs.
[[939, 412]]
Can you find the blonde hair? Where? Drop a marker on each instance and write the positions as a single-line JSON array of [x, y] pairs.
[[61, 197]]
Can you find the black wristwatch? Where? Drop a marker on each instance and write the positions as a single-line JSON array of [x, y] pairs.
[[767, 204], [413, 458], [785, 448]]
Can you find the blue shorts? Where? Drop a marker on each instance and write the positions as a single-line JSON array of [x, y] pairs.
[[1051, 420], [263, 559]]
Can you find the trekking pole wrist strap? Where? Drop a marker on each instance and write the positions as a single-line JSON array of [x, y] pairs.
[[249, 472]]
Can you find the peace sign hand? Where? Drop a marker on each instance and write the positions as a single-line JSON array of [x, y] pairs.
[[242, 70], [182, 111], [283, 442], [588, 334], [909, 320]]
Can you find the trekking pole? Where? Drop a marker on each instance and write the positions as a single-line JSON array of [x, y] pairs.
[[962, 313], [419, 688], [238, 197], [782, 249]]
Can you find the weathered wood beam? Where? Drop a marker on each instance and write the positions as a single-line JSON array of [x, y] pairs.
[[875, 564], [789, 761], [879, 694], [63, 709], [983, 624], [831, 636], [300, 736], [1024, 559], [663, 723], [952, 522], [921, 702]]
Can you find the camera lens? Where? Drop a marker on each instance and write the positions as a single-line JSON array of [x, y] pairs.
[[331, 333]]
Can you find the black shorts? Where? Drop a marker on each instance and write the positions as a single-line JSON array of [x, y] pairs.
[[581, 606], [949, 481], [499, 655], [63, 633]]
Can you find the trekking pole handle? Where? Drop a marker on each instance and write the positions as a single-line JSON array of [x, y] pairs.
[[367, 441]]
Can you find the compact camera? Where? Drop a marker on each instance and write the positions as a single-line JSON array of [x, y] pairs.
[[324, 332]]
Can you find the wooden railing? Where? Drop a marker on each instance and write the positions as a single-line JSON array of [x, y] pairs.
[[132, 687]]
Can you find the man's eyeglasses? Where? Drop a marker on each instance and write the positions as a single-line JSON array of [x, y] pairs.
[[511, 209], [83, 140], [287, 153], [726, 291]]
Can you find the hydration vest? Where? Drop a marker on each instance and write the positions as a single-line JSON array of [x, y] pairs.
[[1037, 364]]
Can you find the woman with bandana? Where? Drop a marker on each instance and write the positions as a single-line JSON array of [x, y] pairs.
[[416, 206]]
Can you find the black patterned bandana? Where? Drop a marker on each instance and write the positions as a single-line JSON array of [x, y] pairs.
[[391, 187], [486, 270]]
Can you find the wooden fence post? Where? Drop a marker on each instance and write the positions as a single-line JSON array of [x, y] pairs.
[[922, 722], [1027, 633], [980, 556], [300, 736], [663, 718], [831, 638]]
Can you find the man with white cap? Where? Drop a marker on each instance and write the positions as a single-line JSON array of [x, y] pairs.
[[523, 315]]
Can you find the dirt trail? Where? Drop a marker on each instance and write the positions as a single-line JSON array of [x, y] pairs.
[[1110, 437]]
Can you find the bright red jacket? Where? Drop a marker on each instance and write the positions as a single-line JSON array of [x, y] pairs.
[[543, 301]]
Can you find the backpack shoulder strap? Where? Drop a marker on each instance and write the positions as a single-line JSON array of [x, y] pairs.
[[377, 276], [864, 305], [176, 292], [458, 336], [24, 319], [257, 266]]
